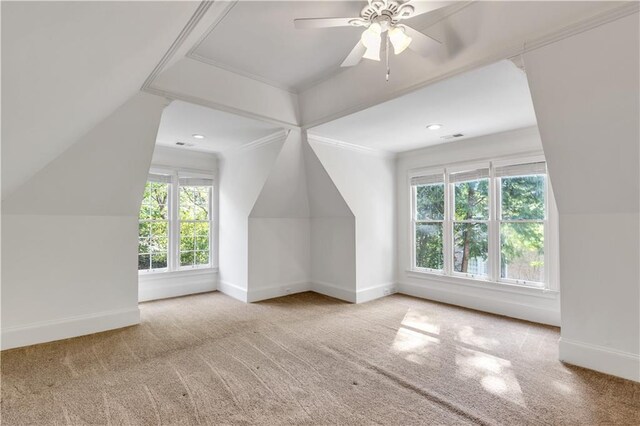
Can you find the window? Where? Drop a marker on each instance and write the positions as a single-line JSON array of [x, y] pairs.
[[522, 218], [195, 226], [486, 222], [153, 227], [428, 219], [175, 223], [470, 221]]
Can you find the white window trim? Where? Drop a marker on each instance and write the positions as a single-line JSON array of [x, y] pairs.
[[551, 285], [173, 253]]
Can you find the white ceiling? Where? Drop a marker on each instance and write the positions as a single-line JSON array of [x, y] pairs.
[[258, 39], [488, 100], [222, 130]]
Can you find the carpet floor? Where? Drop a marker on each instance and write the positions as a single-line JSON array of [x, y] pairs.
[[310, 359]]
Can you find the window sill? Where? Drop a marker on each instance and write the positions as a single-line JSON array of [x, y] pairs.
[[484, 284], [161, 275]]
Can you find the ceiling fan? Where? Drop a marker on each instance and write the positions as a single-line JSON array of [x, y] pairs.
[[382, 20]]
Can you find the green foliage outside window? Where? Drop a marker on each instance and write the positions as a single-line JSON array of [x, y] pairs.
[[521, 227], [153, 228], [429, 237], [470, 238], [194, 225], [522, 241]]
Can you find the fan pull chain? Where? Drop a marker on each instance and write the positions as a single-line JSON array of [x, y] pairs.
[[387, 57]]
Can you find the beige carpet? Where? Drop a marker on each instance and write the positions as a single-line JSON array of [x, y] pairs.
[[309, 359]]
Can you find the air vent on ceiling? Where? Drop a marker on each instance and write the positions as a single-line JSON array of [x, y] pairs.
[[184, 144], [456, 135]]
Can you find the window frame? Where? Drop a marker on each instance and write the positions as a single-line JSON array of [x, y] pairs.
[[210, 235], [414, 221], [173, 254], [168, 221], [493, 226], [450, 189]]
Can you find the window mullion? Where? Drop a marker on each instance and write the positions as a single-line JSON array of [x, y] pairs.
[[174, 224], [494, 226], [447, 228]]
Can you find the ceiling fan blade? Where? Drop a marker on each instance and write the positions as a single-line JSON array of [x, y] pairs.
[[312, 23], [422, 43], [422, 7], [355, 56]]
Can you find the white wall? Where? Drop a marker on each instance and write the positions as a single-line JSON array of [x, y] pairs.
[[517, 303], [585, 91], [279, 256], [65, 70], [279, 232], [333, 233], [70, 233], [153, 286], [366, 181], [242, 175]]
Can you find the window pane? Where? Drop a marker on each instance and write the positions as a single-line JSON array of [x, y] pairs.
[[143, 261], [472, 200], [187, 243], [194, 202], [159, 229], [159, 261], [186, 258], [154, 203], [143, 245], [202, 257], [144, 229], [201, 228], [523, 197], [202, 243], [429, 246], [159, 244], [430, 202], [522, 251], [470, 248]]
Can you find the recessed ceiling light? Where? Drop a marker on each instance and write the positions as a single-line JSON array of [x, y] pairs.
[[197, 136], [434, 126]]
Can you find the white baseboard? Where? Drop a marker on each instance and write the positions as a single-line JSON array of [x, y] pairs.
[[375, 292], [233, 290], [600, 358], [65, 328], [174, 284], [277, 291], [334, 291], [530, 308]]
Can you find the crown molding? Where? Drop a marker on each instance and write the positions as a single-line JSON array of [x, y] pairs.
[[201, 10], [351, 147], [273, 137]]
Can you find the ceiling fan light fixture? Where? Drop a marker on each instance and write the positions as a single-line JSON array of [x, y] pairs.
[[399, 39], [371, 39]]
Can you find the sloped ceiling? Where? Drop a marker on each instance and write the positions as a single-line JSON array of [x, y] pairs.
[[68, 65]]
